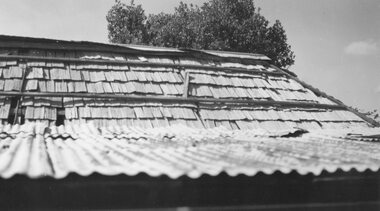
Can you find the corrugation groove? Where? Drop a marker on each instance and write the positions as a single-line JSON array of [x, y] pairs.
[[179, 150]]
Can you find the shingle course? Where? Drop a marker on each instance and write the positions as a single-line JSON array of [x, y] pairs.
[[220, 75]]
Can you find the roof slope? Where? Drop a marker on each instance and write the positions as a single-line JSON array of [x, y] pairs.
[[129, 109], [78, 82], [39, 151]]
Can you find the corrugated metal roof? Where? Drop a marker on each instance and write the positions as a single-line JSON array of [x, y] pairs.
[[37, 151]]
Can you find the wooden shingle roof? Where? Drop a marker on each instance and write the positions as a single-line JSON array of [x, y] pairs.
[[94, 125], [67, 82]]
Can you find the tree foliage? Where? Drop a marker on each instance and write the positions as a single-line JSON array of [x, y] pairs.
[[229, 25], [126, 23]]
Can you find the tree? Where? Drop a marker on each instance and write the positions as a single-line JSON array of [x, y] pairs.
[[126, 23], [175, 30], [230, 25]]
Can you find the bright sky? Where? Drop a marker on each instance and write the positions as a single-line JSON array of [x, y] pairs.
[[336, 42]]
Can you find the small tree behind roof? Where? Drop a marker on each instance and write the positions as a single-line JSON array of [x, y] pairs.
[[229, 25]]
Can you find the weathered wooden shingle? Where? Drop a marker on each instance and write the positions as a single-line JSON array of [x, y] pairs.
[[215, 75]]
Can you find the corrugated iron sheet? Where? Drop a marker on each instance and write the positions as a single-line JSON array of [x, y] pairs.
[[36, 150]]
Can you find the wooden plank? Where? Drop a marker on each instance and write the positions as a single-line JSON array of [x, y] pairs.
[[52, 44], [151, 64], [174, 99], [186, 85], [19, 101], [39, 44]]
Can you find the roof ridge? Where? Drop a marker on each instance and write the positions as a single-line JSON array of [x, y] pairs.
[[135, 47]]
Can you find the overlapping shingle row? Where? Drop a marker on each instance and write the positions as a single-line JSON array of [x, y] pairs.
[[166, 73], [145, 115], [245, 117], [104, 79], [250, 86]]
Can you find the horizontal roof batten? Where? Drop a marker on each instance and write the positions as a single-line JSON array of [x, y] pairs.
[[238, 55], [153, 64], [7, 41], [82, 46], [174, 99]]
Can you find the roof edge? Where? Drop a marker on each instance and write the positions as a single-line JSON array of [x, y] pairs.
[[10, 41], [54, 44], [333, 99]]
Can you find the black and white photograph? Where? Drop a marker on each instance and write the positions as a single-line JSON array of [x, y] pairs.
[[192, 105]]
